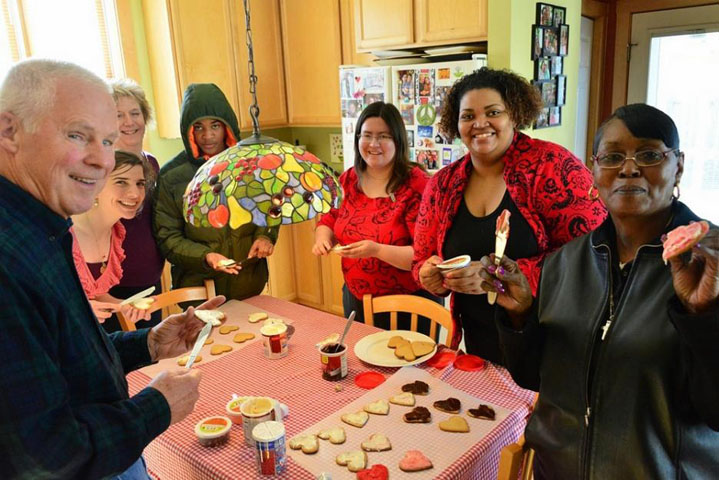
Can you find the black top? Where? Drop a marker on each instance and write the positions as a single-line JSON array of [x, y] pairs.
[[474, 236]]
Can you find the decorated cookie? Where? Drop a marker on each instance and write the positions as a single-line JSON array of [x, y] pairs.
[[143, 303], [355, 460], [454, 423], [417, 387], [243, 337], [357, 419], [450, 405], [307, 443], [182, 361], [418, 415], [256, 317], [484, 412], [414, 461], [380, 407], [220, 349], [225, 329], [683, 238], [377, 442], [377, 472], [335, 435], [214, 317], [404, 398]]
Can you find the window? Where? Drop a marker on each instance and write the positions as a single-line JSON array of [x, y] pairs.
[[81, 31]]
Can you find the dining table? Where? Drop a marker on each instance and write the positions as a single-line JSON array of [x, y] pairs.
[[296, 380]]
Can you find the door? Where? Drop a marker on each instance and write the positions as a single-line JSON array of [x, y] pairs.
[[583, 80], [673, 67]]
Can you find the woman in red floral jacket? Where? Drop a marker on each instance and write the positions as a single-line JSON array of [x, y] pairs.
[[375, 223], [542, 184]]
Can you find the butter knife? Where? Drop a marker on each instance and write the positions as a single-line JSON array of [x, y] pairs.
[[204, 333], [500, 243], [138, 296]]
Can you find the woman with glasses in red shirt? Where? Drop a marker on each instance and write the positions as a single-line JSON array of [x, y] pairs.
[[374, 225]]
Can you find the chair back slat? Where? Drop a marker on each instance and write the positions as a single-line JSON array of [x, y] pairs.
[[173, 297], [416, 306]]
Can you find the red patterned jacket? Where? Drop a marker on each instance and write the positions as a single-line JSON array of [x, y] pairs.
[[548, 184], [384, 220]]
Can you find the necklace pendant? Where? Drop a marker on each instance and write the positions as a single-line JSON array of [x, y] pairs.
[[103, 267]]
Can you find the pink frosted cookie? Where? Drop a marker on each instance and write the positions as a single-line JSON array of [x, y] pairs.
[[414, 461]]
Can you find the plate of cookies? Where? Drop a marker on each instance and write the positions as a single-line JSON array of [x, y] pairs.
[[395, 348]]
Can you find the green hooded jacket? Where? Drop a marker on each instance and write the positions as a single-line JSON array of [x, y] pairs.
[[186, 246]]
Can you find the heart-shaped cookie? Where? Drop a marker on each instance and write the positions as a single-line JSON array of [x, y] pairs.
[[243, 337], [420, 348], [418, 415], [404, 398], [182, 361], [214, 317], [484, 412], [395, 341], [335, 435], [454, 424], [225, 329], [307, 443], [377, 472], [219, 349], [380, 407], [377, 442], [449, 405], [414, 461], [417, 387], [355, 460], [256, 317], [404, 351], [357, 419], [209, 341]]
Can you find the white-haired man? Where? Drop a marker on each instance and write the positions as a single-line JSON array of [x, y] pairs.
[[64, 405]]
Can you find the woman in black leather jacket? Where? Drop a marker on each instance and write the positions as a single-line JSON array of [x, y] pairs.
[[621, 346]]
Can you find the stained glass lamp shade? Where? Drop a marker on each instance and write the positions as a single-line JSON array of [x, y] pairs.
[[268, 184]]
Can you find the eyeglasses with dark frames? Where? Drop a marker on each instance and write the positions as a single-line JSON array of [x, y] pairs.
[[645, 158]]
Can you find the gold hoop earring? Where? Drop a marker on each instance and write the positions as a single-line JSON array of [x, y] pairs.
[[593, 196], [96, 203], [676, 193]]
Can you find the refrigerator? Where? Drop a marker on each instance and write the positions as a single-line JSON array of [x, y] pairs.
[[418, 91]]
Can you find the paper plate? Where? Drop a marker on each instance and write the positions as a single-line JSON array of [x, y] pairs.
[[373, 348], [369, 380], [469, 363], [455, 262]]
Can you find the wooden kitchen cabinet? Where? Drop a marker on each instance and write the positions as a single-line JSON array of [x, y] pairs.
[[416, 23], [203, 41], [312, 45]]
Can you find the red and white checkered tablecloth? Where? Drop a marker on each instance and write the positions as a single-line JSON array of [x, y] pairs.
[[296, 380]]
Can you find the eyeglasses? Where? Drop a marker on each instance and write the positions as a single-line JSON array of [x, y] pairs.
[[381, 138], [645, 158]]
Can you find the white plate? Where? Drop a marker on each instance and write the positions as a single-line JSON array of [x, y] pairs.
[[373, 348], [392, 53], [400, 60], [452, 50]]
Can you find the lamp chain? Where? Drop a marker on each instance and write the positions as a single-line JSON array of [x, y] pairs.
[[254, 108]]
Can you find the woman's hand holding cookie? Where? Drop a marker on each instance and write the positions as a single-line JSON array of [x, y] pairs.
[[103, 310], [431, 277], [512, 287], [177, 333], [696, 282], [134, 314], [215, 262], [324, 240]]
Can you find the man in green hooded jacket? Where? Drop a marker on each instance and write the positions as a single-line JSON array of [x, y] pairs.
[[208, 126]]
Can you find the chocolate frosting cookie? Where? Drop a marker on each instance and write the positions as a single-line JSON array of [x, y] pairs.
[[484, 411], [450, 405], [418, 415], [418, 388]]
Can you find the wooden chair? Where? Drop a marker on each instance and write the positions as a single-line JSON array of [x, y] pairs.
[[413, 304], [516, 459], [173, 297]]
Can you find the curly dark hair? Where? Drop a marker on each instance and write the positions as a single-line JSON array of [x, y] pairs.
[[523, 101]]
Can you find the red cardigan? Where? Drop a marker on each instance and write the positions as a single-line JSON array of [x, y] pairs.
[[383, 220], [548, 184]]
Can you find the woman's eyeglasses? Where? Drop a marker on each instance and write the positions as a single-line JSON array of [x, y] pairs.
[[645, 158], [381, 138]]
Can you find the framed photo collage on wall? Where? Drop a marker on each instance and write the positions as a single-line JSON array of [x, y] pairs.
[[550, 46]]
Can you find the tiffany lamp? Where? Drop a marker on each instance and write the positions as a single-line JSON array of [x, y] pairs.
[[260, 180]]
